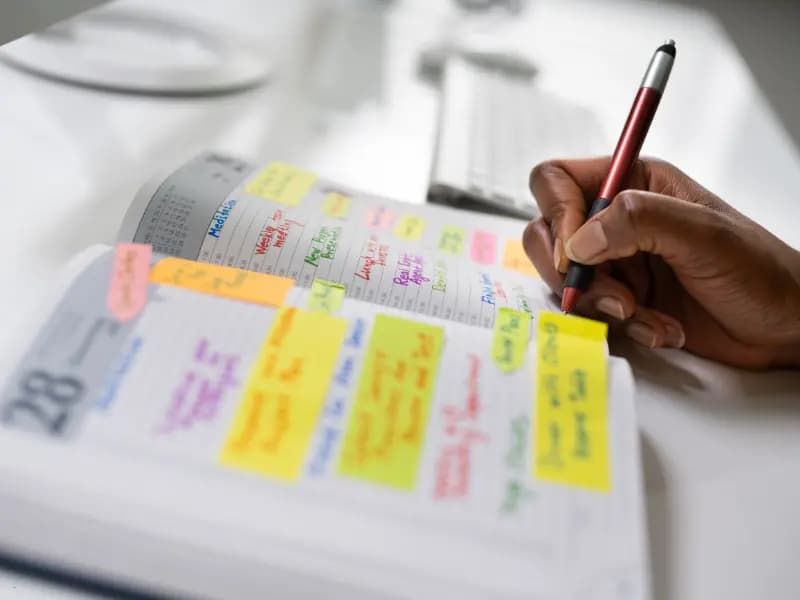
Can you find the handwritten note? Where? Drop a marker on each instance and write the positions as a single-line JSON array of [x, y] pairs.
[[571, 405], [202, 388], [409, 228], [451, 240], [463, 436], [386, 429], [127, 288], [515, 259], [217, 280], [483, 247], [281, 182], [285, 391], [336, 205], [510, 338], [326, 296]]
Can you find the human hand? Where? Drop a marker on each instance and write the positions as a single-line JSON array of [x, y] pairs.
[[677, 266]]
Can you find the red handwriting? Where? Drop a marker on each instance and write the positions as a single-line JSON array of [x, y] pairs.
[[453, 466], [275, 234], [373, 254]]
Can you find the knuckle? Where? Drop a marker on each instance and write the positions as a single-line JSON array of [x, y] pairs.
[[544, 171]]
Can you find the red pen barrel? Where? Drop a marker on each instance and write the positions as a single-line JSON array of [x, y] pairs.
[[630, 141]]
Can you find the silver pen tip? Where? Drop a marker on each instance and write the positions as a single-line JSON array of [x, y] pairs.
[[669, 43]]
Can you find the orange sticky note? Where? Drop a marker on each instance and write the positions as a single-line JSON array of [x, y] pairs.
[[127, 289], [217, 280], [515, 259]]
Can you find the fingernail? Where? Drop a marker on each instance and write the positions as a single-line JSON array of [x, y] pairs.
[[639, 332], [560, 261], [675, 335], [611, 307], [589, 241]]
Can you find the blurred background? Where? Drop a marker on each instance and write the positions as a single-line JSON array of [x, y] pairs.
[[766, 32]]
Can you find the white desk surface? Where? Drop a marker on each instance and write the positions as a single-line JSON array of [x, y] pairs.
[[720, 446]]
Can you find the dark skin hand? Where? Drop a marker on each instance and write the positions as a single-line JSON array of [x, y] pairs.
[[677, 267]]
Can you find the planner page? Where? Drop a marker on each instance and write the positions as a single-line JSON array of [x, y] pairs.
[[200, 410], [286, 221]]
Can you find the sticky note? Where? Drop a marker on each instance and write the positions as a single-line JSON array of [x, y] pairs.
[[217, 280], [451, 240], [336, 205], [326, 296], [515, 259], [378, 218], [483, 247], [284, 394], [386, 429], [510, 338], [281, 182], [127, 287], [571, 403], [409, 228]]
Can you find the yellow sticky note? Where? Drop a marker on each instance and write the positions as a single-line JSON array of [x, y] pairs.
[[510, 338], [386, 429], [336, 205], [515, 259], [217, 280], [409, 228], [571, 404], [326, 296], [451, 240], [284, 395], [281, 182]]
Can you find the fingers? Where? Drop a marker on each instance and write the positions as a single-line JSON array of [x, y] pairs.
[[688, 237], [606, 295], [564, 189]]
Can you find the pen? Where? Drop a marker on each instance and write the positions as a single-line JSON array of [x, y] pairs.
[[630, 142]]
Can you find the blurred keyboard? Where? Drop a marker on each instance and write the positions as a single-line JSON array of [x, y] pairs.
[[494, 127]]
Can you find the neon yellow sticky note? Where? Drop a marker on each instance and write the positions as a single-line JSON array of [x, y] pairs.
[[217, 280], [571, 404], [336, 205], [326, 296], [386, 429], [515, 259], [281, 182], [510, 338], [451, 240], [409, 228], [284, 394]]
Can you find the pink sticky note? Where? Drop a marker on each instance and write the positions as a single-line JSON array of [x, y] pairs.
[[127, 289], [378, 218], [483, 247]]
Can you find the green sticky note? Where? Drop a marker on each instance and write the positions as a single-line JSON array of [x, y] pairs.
[[510, 338], [326, 296]]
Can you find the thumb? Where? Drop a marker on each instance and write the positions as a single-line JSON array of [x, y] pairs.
[[638, 221]]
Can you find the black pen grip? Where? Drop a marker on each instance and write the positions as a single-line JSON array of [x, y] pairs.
[[580, 276]]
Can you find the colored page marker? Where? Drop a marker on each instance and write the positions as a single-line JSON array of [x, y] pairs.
[[571, 403], [515, 259], [483, 247], [127, 288], [386, 429], [285, 391], [217, 280], [451, 240], [409, 228], [336, 205], [326, 296], [510, 338], [378, 218], [282, 183]]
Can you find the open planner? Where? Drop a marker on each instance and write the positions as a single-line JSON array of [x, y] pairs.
[[275, 386]]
